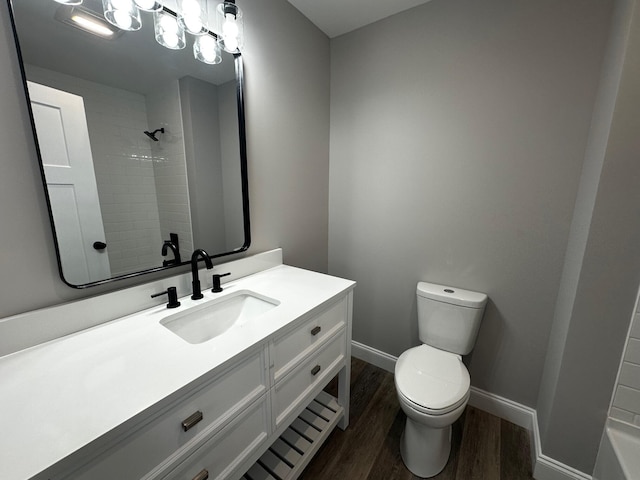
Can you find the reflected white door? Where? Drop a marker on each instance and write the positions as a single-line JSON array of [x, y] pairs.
[[63, 136]]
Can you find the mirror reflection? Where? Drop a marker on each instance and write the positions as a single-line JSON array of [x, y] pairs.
[[139, 144]]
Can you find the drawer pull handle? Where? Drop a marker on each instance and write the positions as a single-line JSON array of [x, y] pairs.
[[316, 330], [203, 475], [191, 422], [315, 370]]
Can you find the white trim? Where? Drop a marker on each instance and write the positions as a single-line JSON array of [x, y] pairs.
[[373, 356], [544, 467], [502, 407]]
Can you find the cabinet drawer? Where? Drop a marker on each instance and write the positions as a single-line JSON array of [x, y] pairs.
[[182, 424], [223, 454], [288, 350], [290, 392]]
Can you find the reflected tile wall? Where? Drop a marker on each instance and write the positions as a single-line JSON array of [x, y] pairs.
[[170, 174], [124, 169]]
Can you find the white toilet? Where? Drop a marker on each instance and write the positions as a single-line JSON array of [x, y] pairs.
[[431, 380]]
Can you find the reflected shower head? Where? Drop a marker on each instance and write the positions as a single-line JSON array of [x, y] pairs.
[[152, 135]]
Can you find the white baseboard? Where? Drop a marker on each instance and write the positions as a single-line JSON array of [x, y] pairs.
[[544, 467], [374, 357], [502, 407], [547, 468]]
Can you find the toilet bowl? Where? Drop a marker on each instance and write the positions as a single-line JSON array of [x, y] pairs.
[[433, 390], [432, 383]]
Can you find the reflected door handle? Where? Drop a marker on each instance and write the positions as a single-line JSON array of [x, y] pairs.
[[99, 245]]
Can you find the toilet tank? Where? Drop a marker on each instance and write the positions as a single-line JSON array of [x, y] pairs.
[[448, 317]]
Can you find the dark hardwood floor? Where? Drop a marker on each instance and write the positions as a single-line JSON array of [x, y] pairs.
[[484, 447]]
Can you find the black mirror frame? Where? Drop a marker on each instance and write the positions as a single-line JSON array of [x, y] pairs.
[[237, 57]]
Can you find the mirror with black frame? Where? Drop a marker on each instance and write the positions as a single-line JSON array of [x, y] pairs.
[[141, 148]]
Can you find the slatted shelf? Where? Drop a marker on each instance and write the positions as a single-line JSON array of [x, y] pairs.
[[289, 454]]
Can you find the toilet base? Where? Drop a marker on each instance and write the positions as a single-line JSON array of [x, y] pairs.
[[425, 450]]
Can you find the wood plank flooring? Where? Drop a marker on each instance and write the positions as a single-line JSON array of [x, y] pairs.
[[484, 447]]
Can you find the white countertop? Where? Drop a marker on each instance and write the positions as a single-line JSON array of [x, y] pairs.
[[59, 396]]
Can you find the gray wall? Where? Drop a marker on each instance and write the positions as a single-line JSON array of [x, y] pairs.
[[287, 94], [288, 129], [573, 408], [458, 132]]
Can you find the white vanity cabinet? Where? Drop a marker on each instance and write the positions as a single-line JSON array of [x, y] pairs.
[[303, 359], [131, 400]]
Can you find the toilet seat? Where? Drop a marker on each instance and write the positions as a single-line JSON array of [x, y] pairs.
[[432, 381]]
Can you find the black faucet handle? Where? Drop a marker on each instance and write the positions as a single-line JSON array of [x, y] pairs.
[[216, 281], [173, 297]]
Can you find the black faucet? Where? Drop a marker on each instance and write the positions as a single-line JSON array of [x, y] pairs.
[[197, 293], [176, 253]]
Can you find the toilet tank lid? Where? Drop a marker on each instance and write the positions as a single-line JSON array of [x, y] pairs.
[[452, 295]]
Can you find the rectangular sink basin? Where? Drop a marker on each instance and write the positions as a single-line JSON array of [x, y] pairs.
[[213, 318]]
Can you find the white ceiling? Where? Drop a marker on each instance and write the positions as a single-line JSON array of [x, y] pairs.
[[335, 17]]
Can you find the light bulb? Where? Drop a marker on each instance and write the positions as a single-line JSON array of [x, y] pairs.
[[192, 16], [230, 27], [168, 32], [207, 50], [230, 33], [69, 2], [169, 25], [192, 23], [230, 44], [190, 7], [122, 13], [171, 39], [122, 19]]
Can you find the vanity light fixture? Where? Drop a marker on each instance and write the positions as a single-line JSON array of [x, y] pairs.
[[192, 16], [124, 14], [169, 32], [169, 26], [230, 26], [206, 48]]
